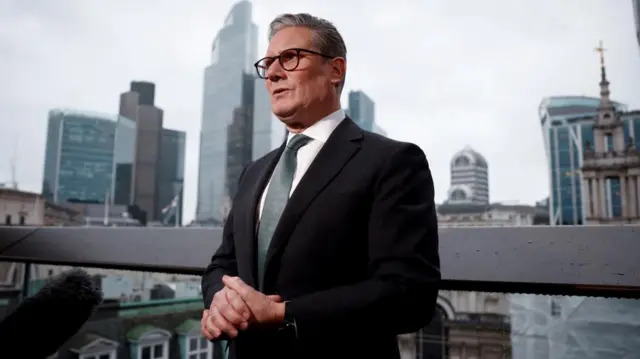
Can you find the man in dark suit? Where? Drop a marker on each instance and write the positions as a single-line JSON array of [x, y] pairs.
[[330, 249]]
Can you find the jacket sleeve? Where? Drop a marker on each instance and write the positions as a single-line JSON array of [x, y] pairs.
[[404, 265], [223, 261]]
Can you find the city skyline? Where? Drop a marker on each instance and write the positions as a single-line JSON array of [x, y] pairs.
[[467, 96], [510, 102]]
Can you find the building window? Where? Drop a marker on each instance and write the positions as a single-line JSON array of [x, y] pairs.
[[154, 351], [199, 348], [103, 355], [608, 142], [432, 341]]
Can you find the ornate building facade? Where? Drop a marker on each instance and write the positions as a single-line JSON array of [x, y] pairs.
[[611, 165], [465, 325]]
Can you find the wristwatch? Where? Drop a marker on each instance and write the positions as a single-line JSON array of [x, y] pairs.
[[289, 327]]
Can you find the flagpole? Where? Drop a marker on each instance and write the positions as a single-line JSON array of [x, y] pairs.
[[178, 209], [178, 216], [106, 209]]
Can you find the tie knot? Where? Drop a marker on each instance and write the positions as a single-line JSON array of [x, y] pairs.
[[298, 141]]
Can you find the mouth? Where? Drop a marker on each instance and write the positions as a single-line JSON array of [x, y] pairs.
[[279, 91]]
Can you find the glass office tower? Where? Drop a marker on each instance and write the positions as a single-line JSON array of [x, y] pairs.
[[362, 110], [567, 123], [235, 113], [123, 159], [78, 156], [171, 171], [636, 17]]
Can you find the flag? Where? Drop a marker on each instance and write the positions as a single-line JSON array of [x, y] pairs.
[[171, 210]]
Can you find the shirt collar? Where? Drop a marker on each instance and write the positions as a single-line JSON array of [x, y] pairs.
[[322, 129]]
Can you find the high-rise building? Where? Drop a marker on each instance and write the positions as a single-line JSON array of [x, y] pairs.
[[268, 131], [78, 156], [469, 178], [362, 110], [611, 165], [146, 92], [123, 159], [171, 175], [237, 122], [593, 161], [139, 107], [240, 137], [636, 17], [567, 124], [589, 149]]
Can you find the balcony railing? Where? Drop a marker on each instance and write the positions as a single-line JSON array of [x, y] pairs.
[[629, 157], [566, 260]]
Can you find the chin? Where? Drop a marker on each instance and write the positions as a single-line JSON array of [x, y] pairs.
[[284, 112]]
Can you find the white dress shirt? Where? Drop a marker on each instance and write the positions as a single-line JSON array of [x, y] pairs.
[[319, 132]]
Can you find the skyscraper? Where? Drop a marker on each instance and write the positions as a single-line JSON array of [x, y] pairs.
[[171, 173], [139, 107], [146, 92], [78, 156], [636, 17], [585, 144], [469, 178], [240, 137], [268, 131], [123, 159], [362, 110], [149, 159], [236, 118], [567, 124]]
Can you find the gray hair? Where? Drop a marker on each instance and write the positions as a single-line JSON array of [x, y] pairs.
[[326, 38]]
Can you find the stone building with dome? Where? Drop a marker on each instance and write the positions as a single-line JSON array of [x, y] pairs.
[[468, 204]]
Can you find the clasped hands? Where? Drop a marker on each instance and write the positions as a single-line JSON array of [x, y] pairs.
[[238, 306]]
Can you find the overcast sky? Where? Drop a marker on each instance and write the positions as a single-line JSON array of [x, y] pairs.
[[443, 73]]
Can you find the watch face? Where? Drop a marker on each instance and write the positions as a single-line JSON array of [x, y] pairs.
[[289, 328]]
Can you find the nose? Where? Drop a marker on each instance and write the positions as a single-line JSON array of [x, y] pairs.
[[275, 72]]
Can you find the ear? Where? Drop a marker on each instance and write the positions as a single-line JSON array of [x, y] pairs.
[[339, 69]]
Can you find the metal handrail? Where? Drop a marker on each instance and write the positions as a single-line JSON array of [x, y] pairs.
[[564, 260]]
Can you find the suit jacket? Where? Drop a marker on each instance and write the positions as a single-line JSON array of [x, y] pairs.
[[355, 253]]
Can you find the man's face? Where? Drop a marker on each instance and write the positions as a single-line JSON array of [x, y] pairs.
[[309, 84]]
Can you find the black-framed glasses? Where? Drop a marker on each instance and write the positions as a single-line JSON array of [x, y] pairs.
[[289, 60]]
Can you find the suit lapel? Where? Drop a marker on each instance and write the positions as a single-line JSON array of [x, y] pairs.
[[334, 155], [246, 248]]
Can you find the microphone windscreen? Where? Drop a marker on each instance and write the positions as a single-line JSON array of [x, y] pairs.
[[51, 316]]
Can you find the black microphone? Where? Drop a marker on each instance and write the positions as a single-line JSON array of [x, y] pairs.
[[51, 316]]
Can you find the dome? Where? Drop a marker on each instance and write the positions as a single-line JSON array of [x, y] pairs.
[[460, 193], [468, 157]]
